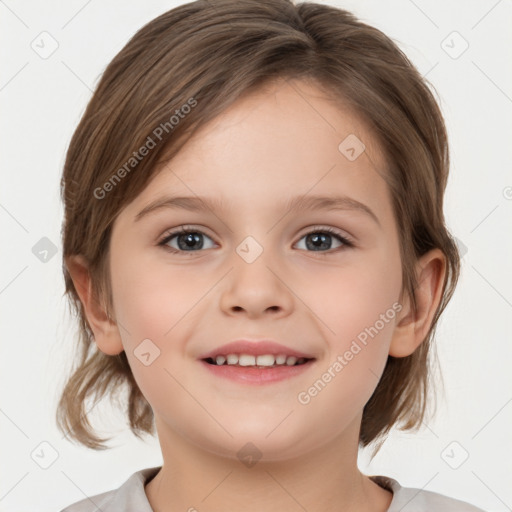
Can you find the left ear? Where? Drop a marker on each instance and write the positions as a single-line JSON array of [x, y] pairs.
[[412, 326]]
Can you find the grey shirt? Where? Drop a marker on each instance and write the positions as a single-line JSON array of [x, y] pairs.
[[131, 497]]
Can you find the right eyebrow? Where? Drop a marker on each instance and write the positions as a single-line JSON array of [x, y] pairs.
[[187, 203]]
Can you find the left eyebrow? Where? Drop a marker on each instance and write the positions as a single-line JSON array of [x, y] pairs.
[[295, 204]]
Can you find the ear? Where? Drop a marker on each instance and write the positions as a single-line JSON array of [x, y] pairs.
[[412, 326], [106, 333]]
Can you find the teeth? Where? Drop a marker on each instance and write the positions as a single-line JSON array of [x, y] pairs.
[[265, 360], [232, 359], [262, 360], [246, 360]]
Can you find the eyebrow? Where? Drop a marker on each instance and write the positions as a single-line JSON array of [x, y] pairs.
[[308, 202]]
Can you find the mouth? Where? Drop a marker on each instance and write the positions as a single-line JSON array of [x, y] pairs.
[[256, 362], [256, 370], [263, 362]]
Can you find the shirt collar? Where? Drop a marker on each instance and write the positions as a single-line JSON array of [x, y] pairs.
[[131, 496]]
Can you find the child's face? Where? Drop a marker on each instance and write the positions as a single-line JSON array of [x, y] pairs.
[[310, 294]]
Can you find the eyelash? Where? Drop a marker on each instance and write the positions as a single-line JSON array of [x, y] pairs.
[[183, 230]]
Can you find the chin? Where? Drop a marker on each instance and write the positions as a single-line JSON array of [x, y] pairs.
[[262, 441]]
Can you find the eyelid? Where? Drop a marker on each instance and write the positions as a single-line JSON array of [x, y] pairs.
[[328, 229], [184, 228]]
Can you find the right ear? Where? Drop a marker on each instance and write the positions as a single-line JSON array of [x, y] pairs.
[[106, 333]]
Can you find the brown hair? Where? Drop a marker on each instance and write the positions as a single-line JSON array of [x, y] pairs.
[[208, 54]]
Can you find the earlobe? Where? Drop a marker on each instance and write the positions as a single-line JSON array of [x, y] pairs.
[[412, 326], [106, 332]]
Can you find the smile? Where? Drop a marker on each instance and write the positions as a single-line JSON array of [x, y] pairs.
[[259, 361], [256, 370]]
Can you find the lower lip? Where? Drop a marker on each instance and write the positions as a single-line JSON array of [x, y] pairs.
[[257, 376]]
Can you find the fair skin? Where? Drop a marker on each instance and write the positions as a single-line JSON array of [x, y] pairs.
[[268, 148]]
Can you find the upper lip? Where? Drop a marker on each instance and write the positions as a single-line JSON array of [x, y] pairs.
[[255, 348]]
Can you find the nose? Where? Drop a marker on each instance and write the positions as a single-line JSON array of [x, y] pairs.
[[256, 287]]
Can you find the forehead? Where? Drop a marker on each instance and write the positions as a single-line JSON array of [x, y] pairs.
[[285, 139], [282, 113]]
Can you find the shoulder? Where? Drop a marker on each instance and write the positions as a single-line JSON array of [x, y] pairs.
[[129, 497], [408, 499]]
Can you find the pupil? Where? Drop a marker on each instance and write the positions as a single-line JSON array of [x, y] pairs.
[[318, 241], [190, 239]]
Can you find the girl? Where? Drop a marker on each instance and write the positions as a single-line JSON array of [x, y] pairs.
[[255, 245]]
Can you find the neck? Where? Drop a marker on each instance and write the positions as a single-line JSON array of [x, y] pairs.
[[326, 480]]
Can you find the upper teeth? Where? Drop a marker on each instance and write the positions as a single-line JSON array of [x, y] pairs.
[[263, 360]]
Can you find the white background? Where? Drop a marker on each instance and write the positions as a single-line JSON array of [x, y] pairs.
[[42, 101]]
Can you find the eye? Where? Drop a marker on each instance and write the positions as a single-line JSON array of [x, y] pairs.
[[321, 238], [188, 240]]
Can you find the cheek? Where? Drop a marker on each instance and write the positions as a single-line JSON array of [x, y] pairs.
[[360, 309], [358, 305], [154, 303], [354, 297], [150, 300]]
